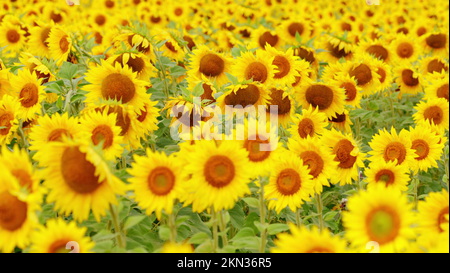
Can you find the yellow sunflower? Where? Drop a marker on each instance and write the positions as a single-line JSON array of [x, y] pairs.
[[290, 183], [5, 86], [13, 37], [108, 82], [438, 87], [386, 77], [404, 48], [263, 36], [318, 158], [147, 119], [219, 175], [381, 215], [377, 48], [79, 180], [388, 173], [38, 43], [428, 148], [432, 215], [334, 49], [436, 43], [138, 62], [285, 105], [135, 40], [9, 112], [171, 247], [353, 92], [59, 44], [27, 88], [389, 146], [171, 48], [408, 79], [347, 153], [310, 122], [341, 122], [363, 69], [156, 182], [431, 242], [256, 66], [289, 28], [59, 236], [433, 64], [433, 112], [305, 240]]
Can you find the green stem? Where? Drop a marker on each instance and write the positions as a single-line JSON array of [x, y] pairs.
[[172, 227], [223, 227], [121, 243], [319, 211], [262, 216], [215, 242], [298, 217]]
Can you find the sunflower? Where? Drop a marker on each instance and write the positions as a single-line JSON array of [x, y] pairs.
[[209, 88], [347, 153], [135, 40], [101, 128], [262, 36], [138, 62], [156, 182], [178, 11], [427, 146], [309, 55], [59, 236], [35, 64], [431, 242], [5, 85], [38, 43], [382, 215], [388, 173], [219, 175], [341, 122], [108, 82], [256, 66], [392, 146], [9, 111], [327, 97], [74, 170], [12, 36], [17, 215], [404, 48], [385, 75], [148, 118], [318, 158], [185, 113], [305, 240], [27, 88], [310, 122], [288, 66], [171, 247], [59, 44], [433, 64], [335, 49], [363, 69], [290, 183], [210, 64], [436, 43], [433, 112], [408, 79], [438, 87], [353, 92], [170, 48], [292, 27], [377, 48], [285, 106], [432, 215]]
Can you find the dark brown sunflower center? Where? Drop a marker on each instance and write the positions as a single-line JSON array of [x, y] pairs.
[[305, 128], [13, 212], [59, 246], [143, 115], [256, 71], [338, 118], [405, 50], [350, 91], [56, 17], [136, 64], [118, 87], [267, 37], [13, 36], [102, 133], [109, 3], [178, 11], [294, 28], [57, 134], [421, 147], [283, 103], [386, 176], [78, 172], [421, 31], [362, 74], [343, 150], [190, 42], [408, 78], [219, 171], [6, 119], [24, 178], [336, 52], [378, 51], [434, 114], [44, 35], [442, 92], [436, 41], [64, 43], [442, 218], [211, 65], [100, 20], [282, 65], [314, 162], [319, 95], [288, 182], [395, 150], [382, 224], [161, 181], [254, 152], [243, 96], [305, 54], [436, 66], [207, 93], [29, 95], [382, 73]]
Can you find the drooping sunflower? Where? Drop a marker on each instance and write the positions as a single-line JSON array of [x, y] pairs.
[[59, 44], [263, 36], [27, 88], [437, 87], [347, 153], [290, 183], [280, 106], [288, 66], [156, 182], [309, 55], [432, 213], [341, 121], [328, 98], [13, 37], [388, 173], [208, 63], [256, 66], [79, 180], [353, 92], [219, 175], [317, 157], [408, 79], [108, 82], [335, 49], [38, 43], [59, 236], [132, 39], [436, 43], [433, 64], [310, 122], [428, 148], [382, 215], [171, 47], [304, 240], [404, 48], [389, 146], [100, 128], [9, 112], [433, 112], [138, 62]]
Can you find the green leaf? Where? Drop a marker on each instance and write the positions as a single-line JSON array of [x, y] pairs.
[[206, 247], [164, 233], [133, 220], [237, 216], [199, 238], [330, 215], [245, 232], [68, 70], [273, 229], [261, 227], [251, 202]]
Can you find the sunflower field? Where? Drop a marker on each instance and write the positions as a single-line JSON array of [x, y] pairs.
[[126, 126]]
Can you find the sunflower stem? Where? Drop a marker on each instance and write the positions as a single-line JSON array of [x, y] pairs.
[[223, 226], [121, 243], [298, 217], [215, 241], [172, 227], [262, 216], [22, 135], [319, 205]]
